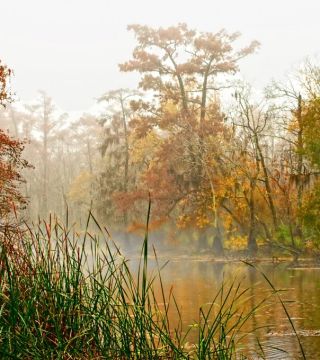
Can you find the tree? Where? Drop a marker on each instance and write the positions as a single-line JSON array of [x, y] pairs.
[[115, 143], [46, 123], [183, 69], [293, 100], [11, 165], [310, 208], [254, 121], [311, 134], [11, 162], [181, 65], [82, 164]]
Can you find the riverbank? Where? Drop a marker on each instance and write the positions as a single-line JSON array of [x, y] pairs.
[[230, 256]]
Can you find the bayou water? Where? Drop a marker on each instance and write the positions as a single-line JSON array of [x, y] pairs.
[[196, 281]]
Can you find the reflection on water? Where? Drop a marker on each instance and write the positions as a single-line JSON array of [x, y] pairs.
[[196, 282]]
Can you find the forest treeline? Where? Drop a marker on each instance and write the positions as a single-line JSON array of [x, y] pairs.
[[226, 166]]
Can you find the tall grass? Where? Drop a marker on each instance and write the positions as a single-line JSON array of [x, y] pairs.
[[65, 295]]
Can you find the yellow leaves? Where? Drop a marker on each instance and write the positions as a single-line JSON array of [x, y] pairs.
[[143, 148], [293, 126], [170, 108], [80, 188], [199, 220], [229, 182], [236, 242], [202, 221], [228, 222], [183, 221]]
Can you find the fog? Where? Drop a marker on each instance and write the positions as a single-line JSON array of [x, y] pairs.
[[217, 163], [72, 48]]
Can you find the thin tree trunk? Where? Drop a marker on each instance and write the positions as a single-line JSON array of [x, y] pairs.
[[126, 161], [45, 164], [300, 164], [267, 184], [252, 241]]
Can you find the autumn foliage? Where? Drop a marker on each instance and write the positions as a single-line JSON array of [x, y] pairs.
[[184, 70], [226, 167], [11, 165], [219, 172], [5, 74], [11, 161]]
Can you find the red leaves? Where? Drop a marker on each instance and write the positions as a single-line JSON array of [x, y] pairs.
[[11, 165]]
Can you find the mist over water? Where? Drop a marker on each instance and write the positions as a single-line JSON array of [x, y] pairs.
[[196, 282]]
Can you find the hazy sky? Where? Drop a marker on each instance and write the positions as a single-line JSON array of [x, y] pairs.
[[71, 48]]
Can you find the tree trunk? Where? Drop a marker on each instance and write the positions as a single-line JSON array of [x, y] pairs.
[[267, 184], [45, 167], [202, 242], [252, 241], [126, 163], [217, 246], [298, 229]]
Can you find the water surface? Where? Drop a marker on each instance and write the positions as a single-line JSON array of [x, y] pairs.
[[196, 282]]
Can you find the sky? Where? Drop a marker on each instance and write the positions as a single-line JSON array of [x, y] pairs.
[[72, 48]]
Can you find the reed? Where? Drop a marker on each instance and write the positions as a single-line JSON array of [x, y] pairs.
[[65, 295]]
